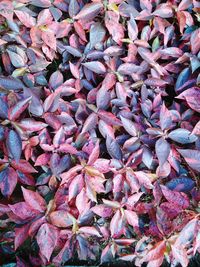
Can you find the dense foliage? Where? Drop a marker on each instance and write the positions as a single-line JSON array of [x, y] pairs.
[[99, 131]]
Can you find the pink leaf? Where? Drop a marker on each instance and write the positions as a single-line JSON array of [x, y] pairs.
[[34, 200], [95, 66], [156, 252], [144, 179], [89, 230], [192, 157], [132, 218], [32, 125], [178, 198], [21, 234], [162, 148], [25, 18], [23, 166], [17, 109], [116, 224], [102, 210], [47, 238], [129, 126], [61, 218], [89, 11], [23, 210], [44, 17], [180, 254]]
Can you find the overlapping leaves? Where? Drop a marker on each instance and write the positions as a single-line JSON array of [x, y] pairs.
[[99, 113]]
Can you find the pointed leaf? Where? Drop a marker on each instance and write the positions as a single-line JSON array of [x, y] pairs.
[[34, 200], [47, 238], [14, 145], [192, 157], [89, 11], [95, 66], [162, 148]]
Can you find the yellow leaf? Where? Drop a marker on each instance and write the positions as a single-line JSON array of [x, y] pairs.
[[113, 7]]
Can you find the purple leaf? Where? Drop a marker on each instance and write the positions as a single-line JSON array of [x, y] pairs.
[[113, 148], [3, 109], [73, 8], [8, 181], [181, 184], [47, 238], [97, 34], [129, 126], [192, 157], [177, 198], [165, 118], [182, 136], [95, 66], [162, 150], [14, 145]]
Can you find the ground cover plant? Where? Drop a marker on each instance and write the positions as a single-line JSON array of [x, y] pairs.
[[99, 132]]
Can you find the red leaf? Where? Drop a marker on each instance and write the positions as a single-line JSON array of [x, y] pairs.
[[44, 17], [144, 179], [132, 29], [67, 176], [114, 27], [49, 39], [109, 118], [90, 123], [132, 200], [163, 11], [35, 225], [102, 165], [187, 234], [196, 129], [195, 45], [165, 118], [94, 155]]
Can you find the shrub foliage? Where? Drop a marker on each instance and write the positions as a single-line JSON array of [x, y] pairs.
[[99, 131]]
